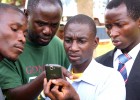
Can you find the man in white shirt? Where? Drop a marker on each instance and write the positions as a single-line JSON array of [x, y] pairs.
[[93, 81], [122, 21]]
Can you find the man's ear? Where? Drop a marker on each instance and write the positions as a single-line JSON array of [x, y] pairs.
[[96, 41], [26, 12], [139, 22]]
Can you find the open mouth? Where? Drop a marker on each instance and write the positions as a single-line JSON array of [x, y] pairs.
[[45, 39], [74, 57], [116, 42]]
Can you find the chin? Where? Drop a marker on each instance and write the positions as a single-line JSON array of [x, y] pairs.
[[13, 59], [75, 62], [121, 47], [42, 44]]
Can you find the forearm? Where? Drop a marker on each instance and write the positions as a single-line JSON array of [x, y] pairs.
[[28, 91]]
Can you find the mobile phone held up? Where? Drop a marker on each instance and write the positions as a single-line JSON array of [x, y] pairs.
[[53, 71]]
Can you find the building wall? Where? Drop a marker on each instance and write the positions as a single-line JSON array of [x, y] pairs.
[[85, 7]]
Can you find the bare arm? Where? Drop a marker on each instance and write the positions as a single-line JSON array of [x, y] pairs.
[[31, 90], [28, 91]]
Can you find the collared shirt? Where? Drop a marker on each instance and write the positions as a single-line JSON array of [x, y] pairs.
[[99, 82], [133, 53]]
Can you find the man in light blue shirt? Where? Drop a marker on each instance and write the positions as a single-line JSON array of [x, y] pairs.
[[92, 81]]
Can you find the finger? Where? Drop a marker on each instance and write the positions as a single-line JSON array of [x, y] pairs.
[[47, 91], [51, 96], [55, 91], [60, 82], [66, 73], [45, 84]]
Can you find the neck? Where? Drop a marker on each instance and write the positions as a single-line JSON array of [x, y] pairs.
[[130, 47], [80, 68], [1, 58]]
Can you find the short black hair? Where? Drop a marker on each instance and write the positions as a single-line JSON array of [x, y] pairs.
[[133, 7], [34, 3], [4, 7], [83, 19]]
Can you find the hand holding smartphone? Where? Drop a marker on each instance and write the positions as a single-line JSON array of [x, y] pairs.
[[53, 71]]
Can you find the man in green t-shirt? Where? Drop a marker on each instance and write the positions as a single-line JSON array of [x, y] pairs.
[[24, 78], [12, 32]]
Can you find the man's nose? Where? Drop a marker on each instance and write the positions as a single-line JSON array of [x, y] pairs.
[[114, 32], [74, 46], [47, 30], [21, 37]]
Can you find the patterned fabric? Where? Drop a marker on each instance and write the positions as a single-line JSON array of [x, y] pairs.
[[123, 58]]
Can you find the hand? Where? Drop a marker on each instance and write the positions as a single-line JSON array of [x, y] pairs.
[[66, 73], [67, 92]]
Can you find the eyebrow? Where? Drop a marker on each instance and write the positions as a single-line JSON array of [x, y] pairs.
[[45, 22], [17, 23]]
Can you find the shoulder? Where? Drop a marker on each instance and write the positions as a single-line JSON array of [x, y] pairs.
[[102, 73], [108, 73], [55, 43], [56, 40], [104, 69], [101, 69], [111, 80], [106, 59], [7, 63], [104, 56]]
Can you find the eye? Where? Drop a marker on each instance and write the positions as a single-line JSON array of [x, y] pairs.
[[25, 33], [40, 24], [108, 26], [67, 40], [14, 28], [54, 24], [118, 25], [81, 41]]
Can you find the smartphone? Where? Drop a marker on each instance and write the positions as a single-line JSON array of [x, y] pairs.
[[53, 71]]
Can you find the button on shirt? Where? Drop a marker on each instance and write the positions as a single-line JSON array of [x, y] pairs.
[[133, 53], [99, 82]]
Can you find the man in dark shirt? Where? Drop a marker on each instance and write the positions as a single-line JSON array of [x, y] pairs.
[[122, 21], [12, 33]]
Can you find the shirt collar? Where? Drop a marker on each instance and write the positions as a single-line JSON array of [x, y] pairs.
[[117, 53], [90, 73], [133, 53]]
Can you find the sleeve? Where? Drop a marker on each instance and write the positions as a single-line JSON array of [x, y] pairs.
[[113, 88], [9, 77]]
